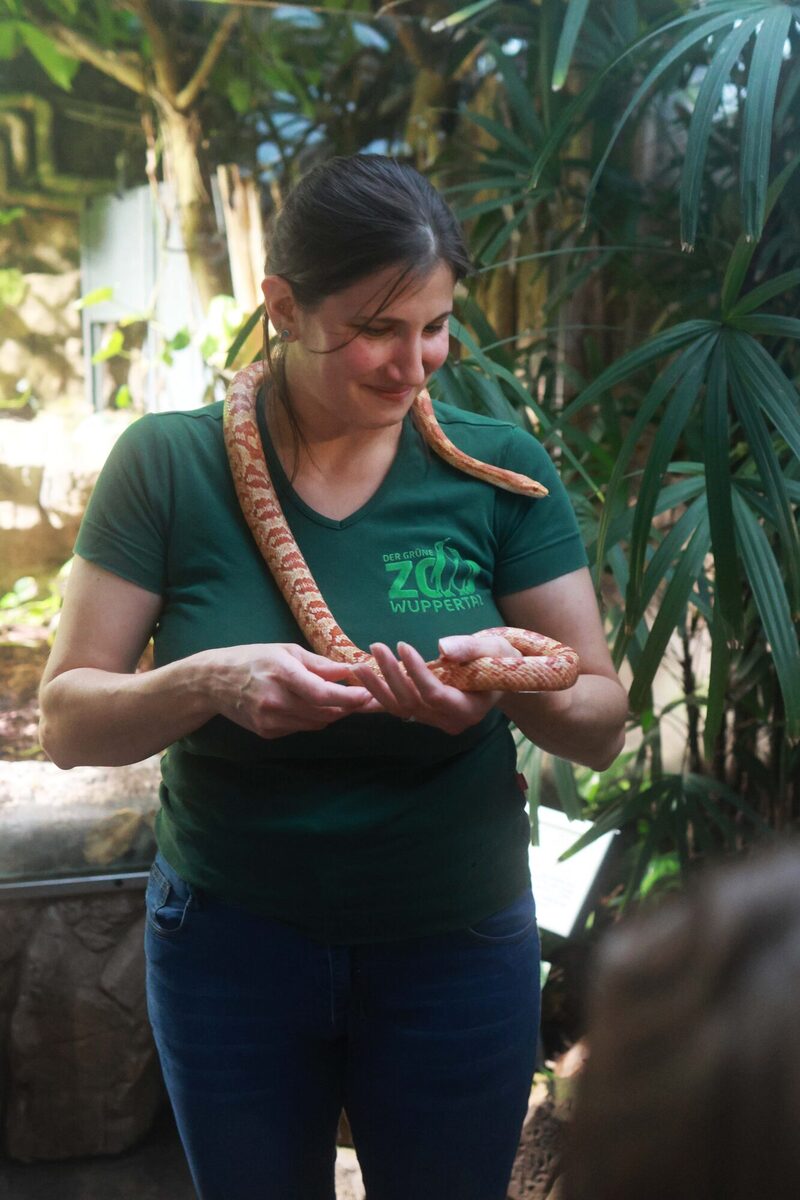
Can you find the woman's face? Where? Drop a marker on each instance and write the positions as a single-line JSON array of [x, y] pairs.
[[375, 367]]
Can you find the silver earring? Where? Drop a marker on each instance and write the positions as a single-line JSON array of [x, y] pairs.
[[285, 335]]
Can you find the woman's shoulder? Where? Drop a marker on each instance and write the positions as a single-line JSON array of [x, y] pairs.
[[487, 437], [173, 428], [177, 421], [451, 414]]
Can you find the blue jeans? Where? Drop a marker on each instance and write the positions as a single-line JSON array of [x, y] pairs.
[[264, 1035]]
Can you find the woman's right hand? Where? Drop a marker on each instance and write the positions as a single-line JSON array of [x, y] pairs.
[[98, 710], [280, 688]]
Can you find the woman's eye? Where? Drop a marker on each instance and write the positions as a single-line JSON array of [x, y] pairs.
[[429, 330]]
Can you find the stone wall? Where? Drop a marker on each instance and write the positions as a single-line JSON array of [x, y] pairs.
[[78, 1071], [81, 1070], [42, 350]]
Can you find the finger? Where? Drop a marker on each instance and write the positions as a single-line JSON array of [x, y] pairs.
[[431, 689], [299, 718], [395, 677], [467, 647], [326, 668], [380, 686], [458, 709], [308, 687]]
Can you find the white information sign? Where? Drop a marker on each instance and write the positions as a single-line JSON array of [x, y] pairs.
[[561, 888]]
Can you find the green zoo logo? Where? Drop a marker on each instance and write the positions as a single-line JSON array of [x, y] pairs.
[[440, 575]]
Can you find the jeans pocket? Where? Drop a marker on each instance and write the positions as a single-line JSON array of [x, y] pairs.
[[168, 900], [509, 925]]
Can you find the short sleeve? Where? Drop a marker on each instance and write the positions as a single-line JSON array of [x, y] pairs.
[[126, 523], [538, 540]]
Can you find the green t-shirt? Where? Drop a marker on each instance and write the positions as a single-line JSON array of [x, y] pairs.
[[373, 828]]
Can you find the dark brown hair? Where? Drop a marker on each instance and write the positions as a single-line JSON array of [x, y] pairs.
[[349, 218], [692, 1088]]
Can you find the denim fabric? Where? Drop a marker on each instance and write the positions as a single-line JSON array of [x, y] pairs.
[[264, 1035]]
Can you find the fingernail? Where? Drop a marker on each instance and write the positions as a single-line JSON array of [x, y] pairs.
[[447, 644]]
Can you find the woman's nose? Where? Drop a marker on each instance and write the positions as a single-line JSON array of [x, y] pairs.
[[409, 361]]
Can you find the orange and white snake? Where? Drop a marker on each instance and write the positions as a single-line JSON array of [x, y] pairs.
[[546, 664]]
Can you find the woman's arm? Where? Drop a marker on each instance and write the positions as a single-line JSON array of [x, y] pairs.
[[585, 723], [96, 711]]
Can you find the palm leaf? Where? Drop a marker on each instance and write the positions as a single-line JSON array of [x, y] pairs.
[[507, 230], [586, 95], [682, 47], [614, 817], [717, 684], [764, 380], [788, 96], [517, 93], [496, 371], [502, 134], [646, 411], [648, 847], [769, 469], [490, 204], [667, 553], [675, 495], [744, 249], [242, 335], [716, 429], [765, 292], [660, 346], [576, 11], [668, 431], [767, 586], [463, 14], [768, 323], [762, 84], [672, 606], [564, 779], [705, 109]]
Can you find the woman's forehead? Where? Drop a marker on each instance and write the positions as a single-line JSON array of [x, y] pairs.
[[394, 290]]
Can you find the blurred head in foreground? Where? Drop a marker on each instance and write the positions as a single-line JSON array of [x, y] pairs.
[[692, 1088]]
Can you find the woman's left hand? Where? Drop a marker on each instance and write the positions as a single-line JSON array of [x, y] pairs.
[[411, 691]]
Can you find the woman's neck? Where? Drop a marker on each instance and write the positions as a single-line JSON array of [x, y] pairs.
[[326, 448]]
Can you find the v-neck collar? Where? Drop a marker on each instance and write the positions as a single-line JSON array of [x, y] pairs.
[[287, 493]]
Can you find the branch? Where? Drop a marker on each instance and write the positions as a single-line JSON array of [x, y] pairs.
[[162, 59], [188, 94], [123, 66]]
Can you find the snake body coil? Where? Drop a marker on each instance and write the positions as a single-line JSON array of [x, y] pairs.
[[547, 665]]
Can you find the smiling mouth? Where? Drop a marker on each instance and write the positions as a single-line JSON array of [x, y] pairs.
[[394, 393]]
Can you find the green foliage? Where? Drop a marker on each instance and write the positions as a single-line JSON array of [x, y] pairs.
[[694, 541], [12, 287], [17, 34], [113, 344], [30, 602]]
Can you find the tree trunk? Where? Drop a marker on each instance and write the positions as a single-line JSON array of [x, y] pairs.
[[203, 241]]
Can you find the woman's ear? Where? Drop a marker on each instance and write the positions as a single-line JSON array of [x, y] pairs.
[[280, 303]]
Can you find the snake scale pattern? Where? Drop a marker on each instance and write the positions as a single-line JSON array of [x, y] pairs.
[[546, 665]]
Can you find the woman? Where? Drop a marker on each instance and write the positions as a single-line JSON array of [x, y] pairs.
[[340, 912]]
